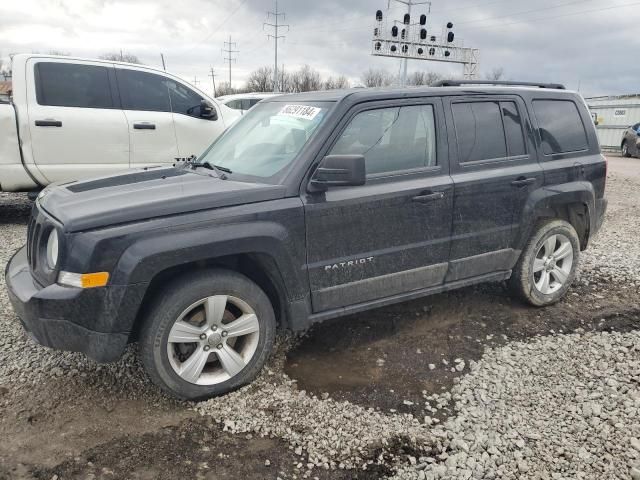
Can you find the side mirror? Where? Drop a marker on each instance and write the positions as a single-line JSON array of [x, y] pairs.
[[338, 171], [207, 110]]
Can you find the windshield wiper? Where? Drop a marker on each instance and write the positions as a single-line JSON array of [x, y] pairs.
[[219, 170]]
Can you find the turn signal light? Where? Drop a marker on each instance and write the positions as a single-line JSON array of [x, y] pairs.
[[83, 280]]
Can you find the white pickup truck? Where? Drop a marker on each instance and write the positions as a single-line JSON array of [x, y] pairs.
[[72, 118]]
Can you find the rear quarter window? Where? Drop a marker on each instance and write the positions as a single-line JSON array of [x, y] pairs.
[[560, 125]]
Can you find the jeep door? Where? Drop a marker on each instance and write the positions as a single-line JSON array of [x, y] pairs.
[[391, 235], [494, 169]]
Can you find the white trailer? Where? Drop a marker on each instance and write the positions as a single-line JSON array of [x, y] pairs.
[[613, 115]]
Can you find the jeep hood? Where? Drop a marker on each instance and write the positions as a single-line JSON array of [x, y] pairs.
[[146, 194]]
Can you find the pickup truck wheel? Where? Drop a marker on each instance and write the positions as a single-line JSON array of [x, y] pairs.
[[547, 265], [209, 333]]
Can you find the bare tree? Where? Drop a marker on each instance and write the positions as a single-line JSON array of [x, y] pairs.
[[121, 57], [306, 79], [336, 83], [5, 69], [496, 74], [423, 78], [376, 78], [260, 80]]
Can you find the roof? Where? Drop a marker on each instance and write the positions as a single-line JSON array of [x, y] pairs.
[[5, 88]]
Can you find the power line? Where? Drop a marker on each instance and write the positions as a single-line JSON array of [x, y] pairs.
[[218, 27], [553, 17], [276, 16], [229, 50]]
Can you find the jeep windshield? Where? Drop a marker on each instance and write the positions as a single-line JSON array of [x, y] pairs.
[[266, 140]]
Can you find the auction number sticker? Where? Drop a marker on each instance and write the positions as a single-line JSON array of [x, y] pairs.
[[300, 111]]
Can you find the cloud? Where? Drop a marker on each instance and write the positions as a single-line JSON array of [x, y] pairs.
[[587, 43]]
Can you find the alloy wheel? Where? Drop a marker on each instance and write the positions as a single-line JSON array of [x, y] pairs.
[[552, 264], [213, 340]]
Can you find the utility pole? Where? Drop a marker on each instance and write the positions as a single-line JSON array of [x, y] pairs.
[[277, 25], [164, 67], [195, 81], [229, 50], [213, 76]]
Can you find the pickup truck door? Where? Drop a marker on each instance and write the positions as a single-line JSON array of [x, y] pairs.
[[195, 132], [494, 168], [391, 235], [76, 126], [147, 107]]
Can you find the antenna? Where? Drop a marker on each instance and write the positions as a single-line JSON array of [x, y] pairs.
[[276, 15], [229, 50], [164, 67], [406, 40]]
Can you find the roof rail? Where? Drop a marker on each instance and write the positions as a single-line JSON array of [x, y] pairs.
[[459, 83]]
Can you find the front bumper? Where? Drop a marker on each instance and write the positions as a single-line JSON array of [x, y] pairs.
[[96, 321]]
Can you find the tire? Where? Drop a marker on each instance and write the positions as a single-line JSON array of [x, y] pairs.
[[188, 333], [625, 150], [528, 277]]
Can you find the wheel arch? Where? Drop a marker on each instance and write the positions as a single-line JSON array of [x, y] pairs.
[[572, 202], [260, 268]]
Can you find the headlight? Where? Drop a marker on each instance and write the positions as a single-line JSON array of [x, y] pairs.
[[52, 249]]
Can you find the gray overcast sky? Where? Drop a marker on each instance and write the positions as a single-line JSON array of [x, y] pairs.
[[591, 43]]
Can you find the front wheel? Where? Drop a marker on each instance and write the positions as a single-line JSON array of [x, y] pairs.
[[209, 333], [625, 150], [547, 266]]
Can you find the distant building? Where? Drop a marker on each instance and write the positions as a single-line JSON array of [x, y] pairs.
[[5, 91], [612, 116]]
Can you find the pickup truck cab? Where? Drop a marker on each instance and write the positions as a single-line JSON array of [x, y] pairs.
[[72, 118], [310, 207]]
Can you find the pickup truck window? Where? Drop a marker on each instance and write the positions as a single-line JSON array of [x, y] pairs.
[[265, 141], [183, 99], [561, 128], [391, 139], [71, 85], [143, 91]]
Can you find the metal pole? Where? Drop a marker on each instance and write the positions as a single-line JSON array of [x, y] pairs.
[[275, 63], [229, 63], [164, 67], [405, 61], [213, 80]]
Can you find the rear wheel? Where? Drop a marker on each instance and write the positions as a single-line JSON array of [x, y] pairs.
[[547, 265], [210, 333], [625, 150]]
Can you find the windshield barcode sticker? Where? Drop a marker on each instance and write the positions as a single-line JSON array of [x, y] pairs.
[[300, 111]]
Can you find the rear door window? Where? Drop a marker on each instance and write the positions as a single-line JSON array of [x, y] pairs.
[[479, 131], [72, 85], [561, 128], [143, 91]]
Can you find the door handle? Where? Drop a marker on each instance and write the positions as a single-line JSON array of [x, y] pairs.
[[523, 182], [48, 123], [428, 197], [144, 126]]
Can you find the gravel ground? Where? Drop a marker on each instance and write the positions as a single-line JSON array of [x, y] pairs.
[[554, 406]]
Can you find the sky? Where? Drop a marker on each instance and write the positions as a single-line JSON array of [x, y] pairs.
[[590, 45]]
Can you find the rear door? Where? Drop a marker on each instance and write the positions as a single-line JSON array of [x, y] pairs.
[[76, 125], [494, 169], [147, 107], [391, 235]]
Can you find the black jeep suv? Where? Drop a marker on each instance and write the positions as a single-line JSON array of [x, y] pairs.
[[313, 206]]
